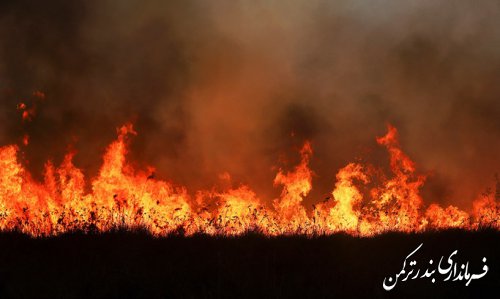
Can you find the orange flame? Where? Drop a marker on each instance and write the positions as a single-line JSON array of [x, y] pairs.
[[291, 215], [122, 196]]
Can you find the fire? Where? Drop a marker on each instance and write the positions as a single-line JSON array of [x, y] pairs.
[[363, 202], [340, 214], [27, 114], [297, 184]]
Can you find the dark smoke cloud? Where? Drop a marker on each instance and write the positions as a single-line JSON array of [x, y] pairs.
[[237, 86]]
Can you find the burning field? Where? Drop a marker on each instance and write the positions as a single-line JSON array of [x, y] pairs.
[[159, 145], [124, 197]]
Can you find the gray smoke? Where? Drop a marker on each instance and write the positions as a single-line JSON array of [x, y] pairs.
[[237, 86]]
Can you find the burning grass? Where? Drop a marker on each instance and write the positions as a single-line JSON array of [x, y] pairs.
[[364, 201]]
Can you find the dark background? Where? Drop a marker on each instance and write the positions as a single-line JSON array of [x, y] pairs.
[[135, 265]]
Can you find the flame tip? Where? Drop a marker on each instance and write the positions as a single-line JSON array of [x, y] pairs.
[[121, 196]]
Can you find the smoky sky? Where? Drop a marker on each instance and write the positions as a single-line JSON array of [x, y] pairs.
[[238, 86]]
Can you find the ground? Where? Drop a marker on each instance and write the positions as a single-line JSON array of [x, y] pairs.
[[126, 264]]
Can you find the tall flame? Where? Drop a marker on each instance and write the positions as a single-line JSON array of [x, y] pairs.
[[123, 197]]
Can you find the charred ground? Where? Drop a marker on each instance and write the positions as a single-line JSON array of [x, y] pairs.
[[133, 264]]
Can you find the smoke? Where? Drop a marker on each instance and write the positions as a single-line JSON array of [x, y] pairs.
[[237, 86]]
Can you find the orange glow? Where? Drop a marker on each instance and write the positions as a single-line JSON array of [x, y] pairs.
[[26, 139], [39, 94], [123, 197], [26, 113]]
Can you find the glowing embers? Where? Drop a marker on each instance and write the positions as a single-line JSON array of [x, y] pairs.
[[362, 201]]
